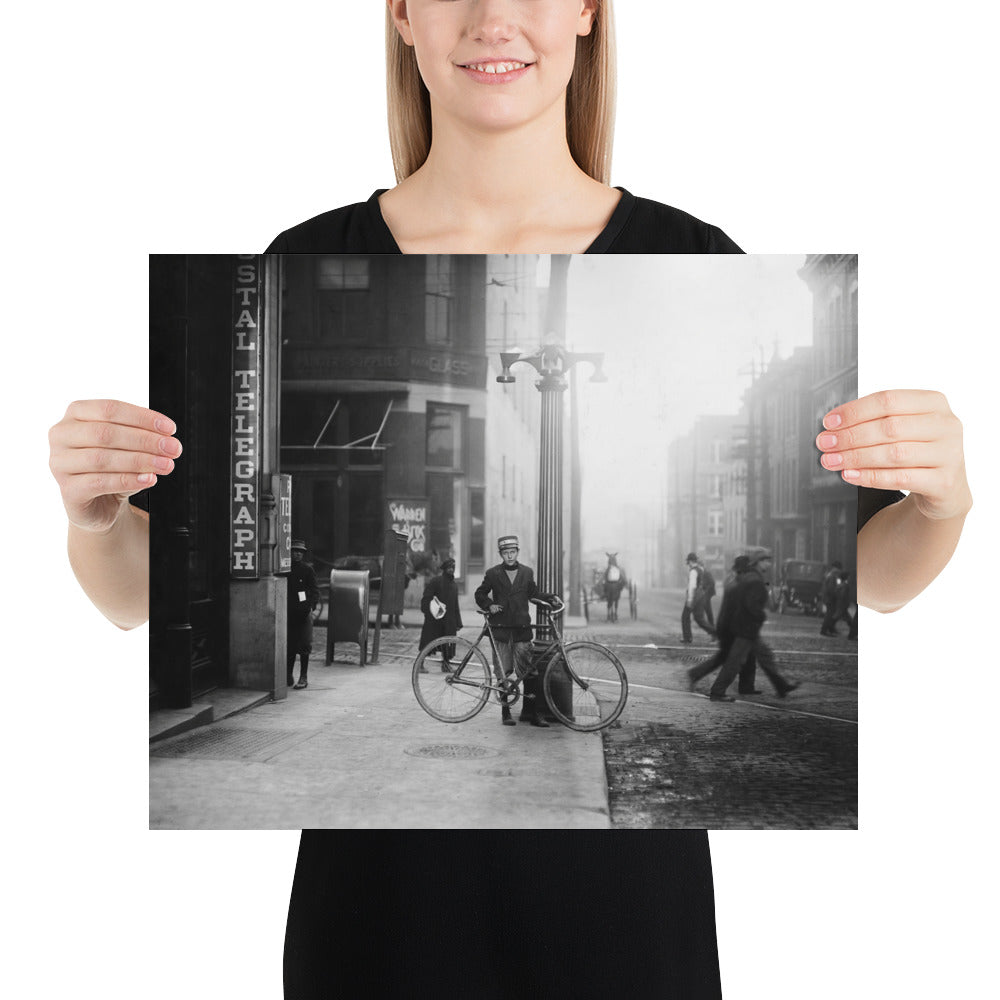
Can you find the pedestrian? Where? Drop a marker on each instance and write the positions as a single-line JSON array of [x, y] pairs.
[[747, 616], [846, 599], [442, 615], [504, 593], [761, 652], [829, 592], [723, 628], [303, 599], [697, 598]]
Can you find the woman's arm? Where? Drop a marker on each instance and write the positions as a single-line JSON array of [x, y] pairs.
[[901, 440], [102, 452]]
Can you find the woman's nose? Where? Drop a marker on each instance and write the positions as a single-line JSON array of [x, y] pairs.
[[492, 21]]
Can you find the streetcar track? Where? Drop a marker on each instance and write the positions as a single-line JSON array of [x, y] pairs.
[[752, 704]]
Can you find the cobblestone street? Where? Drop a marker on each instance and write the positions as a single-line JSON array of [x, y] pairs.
[[759, 763]]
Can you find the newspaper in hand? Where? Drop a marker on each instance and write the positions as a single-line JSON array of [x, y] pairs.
[[437, 608]]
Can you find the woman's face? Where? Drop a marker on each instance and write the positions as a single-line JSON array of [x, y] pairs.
[[494, 64]]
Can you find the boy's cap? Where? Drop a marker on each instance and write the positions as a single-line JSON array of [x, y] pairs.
[[507, 542]]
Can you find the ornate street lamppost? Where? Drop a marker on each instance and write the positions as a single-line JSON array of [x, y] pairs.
[[552, 362]]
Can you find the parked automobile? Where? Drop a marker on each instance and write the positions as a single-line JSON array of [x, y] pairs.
[[800, 586]]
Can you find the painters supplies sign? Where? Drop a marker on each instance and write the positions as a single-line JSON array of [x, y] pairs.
[[247, 353]]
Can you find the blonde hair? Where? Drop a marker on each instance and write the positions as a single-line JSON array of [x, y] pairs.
[[590, 100]]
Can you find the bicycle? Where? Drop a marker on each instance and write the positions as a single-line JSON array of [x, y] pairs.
[[584, 684]]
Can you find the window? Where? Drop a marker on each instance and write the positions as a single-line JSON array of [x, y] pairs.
[[715, 522], [439, 297], [340, 273], [477, 525], [343, 302], [445, 437]]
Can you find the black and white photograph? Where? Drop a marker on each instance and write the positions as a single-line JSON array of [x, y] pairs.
[[503, 541]]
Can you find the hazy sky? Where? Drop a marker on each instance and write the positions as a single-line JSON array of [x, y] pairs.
[[679, 334]]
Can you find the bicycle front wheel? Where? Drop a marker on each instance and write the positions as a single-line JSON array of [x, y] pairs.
[[587, 689], [454, 696]]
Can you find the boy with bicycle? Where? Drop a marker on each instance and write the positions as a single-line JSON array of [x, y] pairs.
[[505, 593]]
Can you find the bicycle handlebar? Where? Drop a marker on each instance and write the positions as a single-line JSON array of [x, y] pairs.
[[551, 608]]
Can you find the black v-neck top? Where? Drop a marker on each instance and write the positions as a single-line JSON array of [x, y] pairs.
[[637, 225], [503, 914]]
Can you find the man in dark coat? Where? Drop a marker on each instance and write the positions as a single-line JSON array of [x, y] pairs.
[[505, 592], [723, 632], [441, 612], [744, 621], [303, 598], [830, 592]]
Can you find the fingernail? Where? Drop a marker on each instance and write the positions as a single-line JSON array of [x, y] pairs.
[[168, 446], [165, 426], [851, 474], [145, 478], [162, 464], [832, 461], [832, 421], [828, 440]]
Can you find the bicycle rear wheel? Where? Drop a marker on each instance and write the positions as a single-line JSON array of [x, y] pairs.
[[588, 692], [455, 696]]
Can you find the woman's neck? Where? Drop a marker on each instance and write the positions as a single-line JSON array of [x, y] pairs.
[[517, 191]]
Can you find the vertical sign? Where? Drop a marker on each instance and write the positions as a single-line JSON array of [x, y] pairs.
[[246, 410], [283, 548]]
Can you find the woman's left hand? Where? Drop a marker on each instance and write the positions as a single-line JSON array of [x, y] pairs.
[[900, 439]]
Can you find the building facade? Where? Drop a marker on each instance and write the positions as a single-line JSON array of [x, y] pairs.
[[833, 281], [328, 397]]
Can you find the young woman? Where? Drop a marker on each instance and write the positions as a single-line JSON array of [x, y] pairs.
[[501, 116]]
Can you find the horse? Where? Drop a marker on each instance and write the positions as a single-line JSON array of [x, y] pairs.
[[614, 584]]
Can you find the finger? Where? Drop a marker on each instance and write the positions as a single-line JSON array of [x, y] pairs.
[[898, 455], [81, 490], [918, 427], [883, 404], [117, 437], [927, 482], [114, 411], [78, 461]]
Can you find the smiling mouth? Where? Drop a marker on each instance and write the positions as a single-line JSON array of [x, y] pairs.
[[495, 68]]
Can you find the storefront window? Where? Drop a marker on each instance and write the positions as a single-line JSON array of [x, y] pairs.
[[477, 526], [444, 436]]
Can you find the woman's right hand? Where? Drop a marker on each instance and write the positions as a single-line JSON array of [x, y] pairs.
[[102, 452]]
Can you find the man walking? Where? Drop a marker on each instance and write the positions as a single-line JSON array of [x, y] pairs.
[[830, 592], [696, 599], [505, 592], [441, 612], [749, 600], [303, 597]]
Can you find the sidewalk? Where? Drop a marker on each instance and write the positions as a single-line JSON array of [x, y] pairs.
[[355, 750]]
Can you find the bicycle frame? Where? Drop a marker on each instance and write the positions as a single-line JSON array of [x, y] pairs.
[[511, 683]]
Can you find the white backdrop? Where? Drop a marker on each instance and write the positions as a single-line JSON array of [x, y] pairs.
[[210, 127]]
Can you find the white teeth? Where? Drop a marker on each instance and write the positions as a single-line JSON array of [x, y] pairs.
[[494, 68]]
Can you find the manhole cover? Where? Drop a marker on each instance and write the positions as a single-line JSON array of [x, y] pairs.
[[451, 751], [230, 743]]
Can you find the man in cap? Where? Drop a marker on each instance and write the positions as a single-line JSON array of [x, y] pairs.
[[744, 619], [303, 598], [741, 564], [441, 612], [504, 593], [830, 592], [696, 599]]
